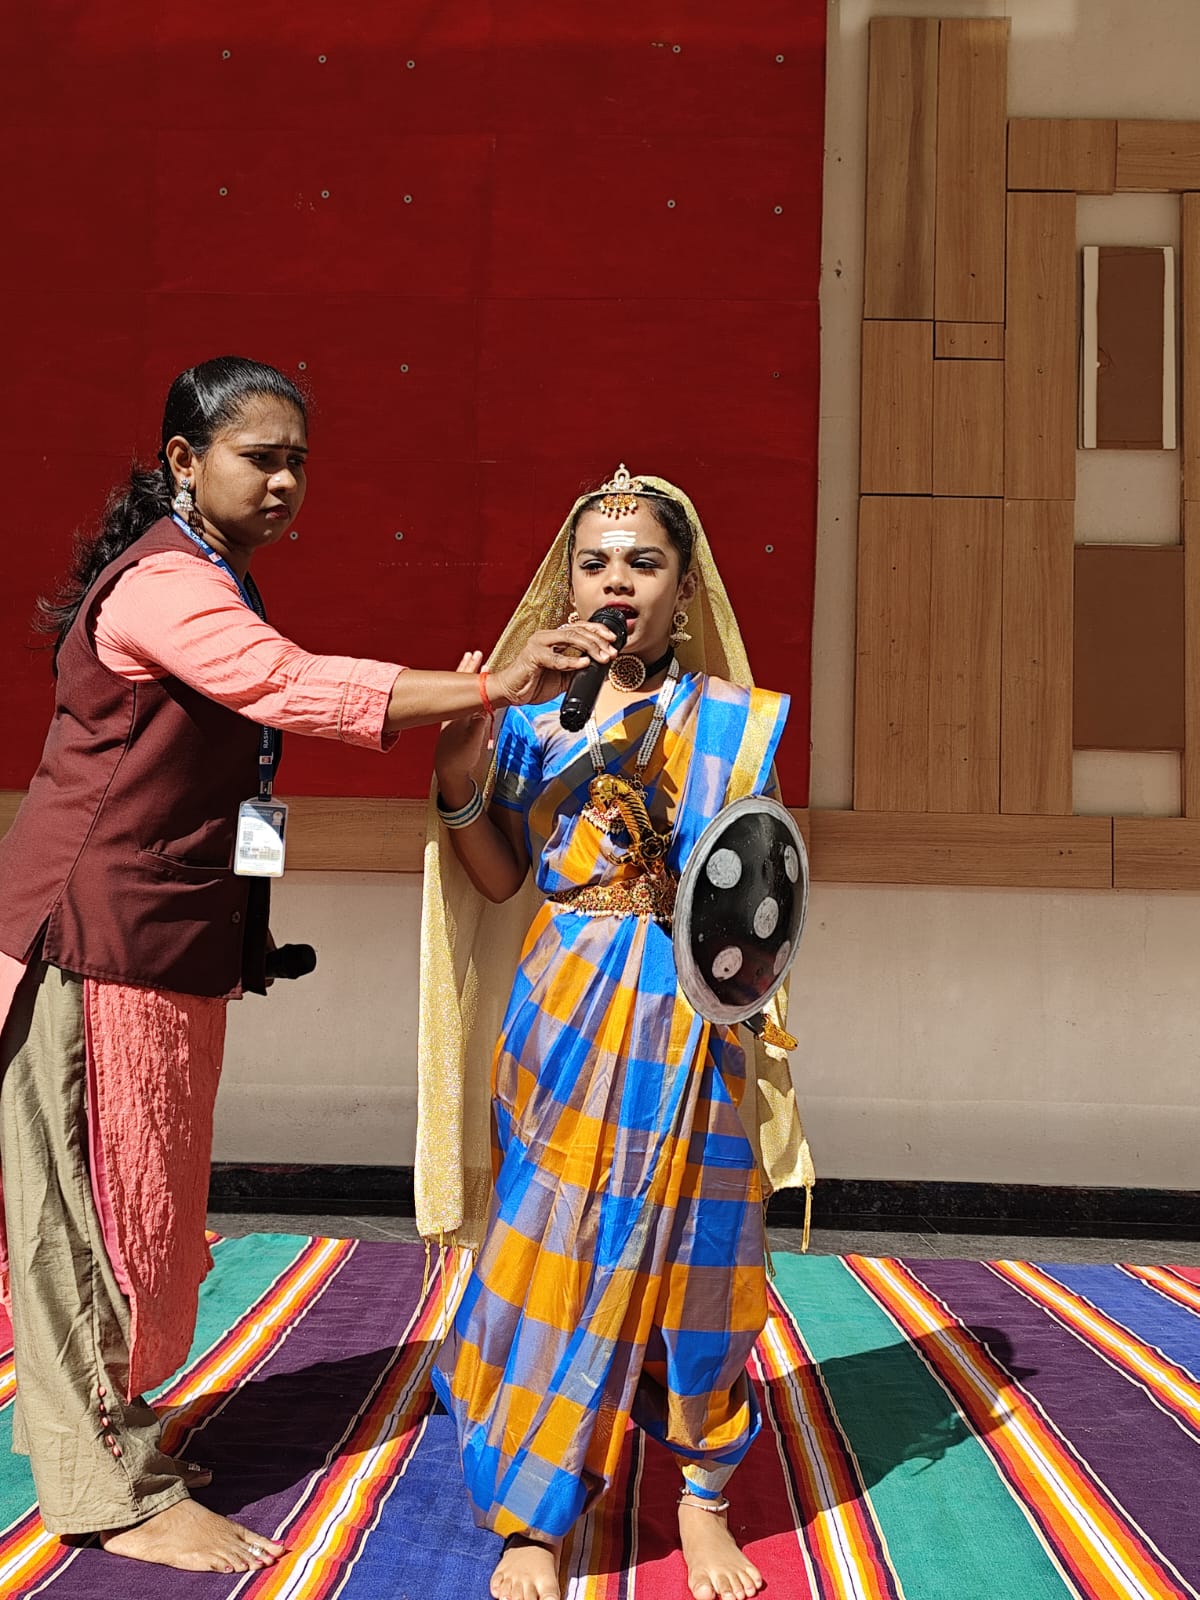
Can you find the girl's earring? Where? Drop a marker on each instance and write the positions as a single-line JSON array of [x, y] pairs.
[[679, 623], [183, 503], [573, 616]]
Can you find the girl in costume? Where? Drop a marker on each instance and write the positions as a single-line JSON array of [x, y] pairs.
[[619, 1218], [124, 928]]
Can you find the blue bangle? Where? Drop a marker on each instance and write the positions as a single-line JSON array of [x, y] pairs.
[[464, 814]]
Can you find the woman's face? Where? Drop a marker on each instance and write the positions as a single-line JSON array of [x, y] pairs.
[[249, 484], [629, 562]]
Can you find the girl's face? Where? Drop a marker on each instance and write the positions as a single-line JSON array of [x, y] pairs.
[[630, 563], [249, 484]]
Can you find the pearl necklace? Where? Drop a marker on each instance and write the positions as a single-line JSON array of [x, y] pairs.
[[604, 818]]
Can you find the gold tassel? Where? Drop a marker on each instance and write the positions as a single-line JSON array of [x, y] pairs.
[[804, 1237], [773, 1035], [425, 1274]]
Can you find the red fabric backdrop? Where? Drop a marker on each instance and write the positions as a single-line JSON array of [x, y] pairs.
[[503, 243]]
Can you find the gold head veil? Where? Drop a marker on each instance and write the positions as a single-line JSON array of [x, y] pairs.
[[470, 947]]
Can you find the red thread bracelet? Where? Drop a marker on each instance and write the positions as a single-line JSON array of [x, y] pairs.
[[488, 707]]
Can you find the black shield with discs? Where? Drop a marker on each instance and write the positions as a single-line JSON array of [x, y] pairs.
[[740, 909]]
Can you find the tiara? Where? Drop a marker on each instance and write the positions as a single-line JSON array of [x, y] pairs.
[[620, 493]]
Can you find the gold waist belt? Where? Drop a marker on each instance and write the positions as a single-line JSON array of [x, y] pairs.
[[650, 896]]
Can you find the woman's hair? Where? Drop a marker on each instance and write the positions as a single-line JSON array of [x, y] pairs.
[[668, 513], [200, 402]]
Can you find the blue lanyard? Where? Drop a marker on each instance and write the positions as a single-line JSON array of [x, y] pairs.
[[271, 743]]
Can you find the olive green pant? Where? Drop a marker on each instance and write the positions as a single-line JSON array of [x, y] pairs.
[[95, 1455]]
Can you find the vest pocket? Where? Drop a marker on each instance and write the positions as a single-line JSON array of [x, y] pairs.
[[182, 871]]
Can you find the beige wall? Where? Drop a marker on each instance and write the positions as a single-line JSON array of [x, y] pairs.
[[959, 1034]]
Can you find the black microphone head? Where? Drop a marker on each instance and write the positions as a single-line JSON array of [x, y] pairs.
[[291, 961], [612, 619]]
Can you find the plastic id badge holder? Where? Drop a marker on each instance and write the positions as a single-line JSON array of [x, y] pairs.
[[258, 850]]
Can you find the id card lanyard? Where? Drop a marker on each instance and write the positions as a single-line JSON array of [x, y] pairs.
[[259, 848]]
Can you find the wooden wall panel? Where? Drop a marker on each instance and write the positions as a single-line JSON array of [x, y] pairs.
[[1128, 654], [971, 159], [964, 655], [968, 428], [1035, 665], [968, 341], [1191, 659], [891, 684], [1189, 269], [1158, 156], [901, 167], [1040, 348], [1156, 853], [897, 408], [1062, 153], [1011, 852]]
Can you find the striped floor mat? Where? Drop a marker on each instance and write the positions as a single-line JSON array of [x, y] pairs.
[[932, 1429]]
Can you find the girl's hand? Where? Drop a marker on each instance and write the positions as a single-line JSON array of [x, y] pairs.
[[460, 744], [548, 661]]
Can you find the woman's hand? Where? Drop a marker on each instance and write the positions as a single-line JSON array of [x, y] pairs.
[[548, 661], [460, 745]]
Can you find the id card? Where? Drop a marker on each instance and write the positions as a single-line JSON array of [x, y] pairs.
[[258, 852]]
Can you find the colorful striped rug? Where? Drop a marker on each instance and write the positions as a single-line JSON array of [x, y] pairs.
[[932, 1429]]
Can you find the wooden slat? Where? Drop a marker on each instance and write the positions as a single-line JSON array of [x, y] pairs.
[[891, 685], [964, 655], [355, 835], [1036, 653], [1073, 154], [1189, 269], [901, 167], [1191, 659], [1156, 853], [971, 160], [968, 341], [1039, 348], [968, 428], [1161, 157], [897, 408], [1010, 852]]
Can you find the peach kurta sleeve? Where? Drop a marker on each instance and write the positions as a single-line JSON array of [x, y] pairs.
[[174, 616]]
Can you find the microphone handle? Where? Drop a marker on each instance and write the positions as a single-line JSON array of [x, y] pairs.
[[580, 698]]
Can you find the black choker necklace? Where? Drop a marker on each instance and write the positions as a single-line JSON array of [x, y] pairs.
[[630, 672]]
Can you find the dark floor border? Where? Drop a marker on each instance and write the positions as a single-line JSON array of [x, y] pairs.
[[849, 1203]]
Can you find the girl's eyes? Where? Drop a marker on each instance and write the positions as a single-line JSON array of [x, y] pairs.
[[645, 565]]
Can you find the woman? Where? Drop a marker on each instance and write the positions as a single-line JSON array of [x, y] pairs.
[[124, 930], [621, 1268]]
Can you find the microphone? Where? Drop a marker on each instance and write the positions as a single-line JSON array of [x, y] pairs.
[[290, 960], [585, 686]]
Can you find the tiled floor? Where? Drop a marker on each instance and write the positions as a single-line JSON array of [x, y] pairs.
[[825, 1241]]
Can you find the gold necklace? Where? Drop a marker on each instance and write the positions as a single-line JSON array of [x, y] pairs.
[[604, 815]]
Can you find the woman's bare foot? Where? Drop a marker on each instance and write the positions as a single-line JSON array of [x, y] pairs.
[[717, 1569], [187, 1536], [528, 1570]]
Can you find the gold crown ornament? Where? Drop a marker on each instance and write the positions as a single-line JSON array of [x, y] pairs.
[[620, 493]]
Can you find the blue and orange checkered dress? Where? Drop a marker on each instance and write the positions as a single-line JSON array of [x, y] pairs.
[[622, 1272]]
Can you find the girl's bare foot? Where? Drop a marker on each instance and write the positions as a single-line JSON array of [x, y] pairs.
[[528, 1569], [717, 1569], [187, 1536]]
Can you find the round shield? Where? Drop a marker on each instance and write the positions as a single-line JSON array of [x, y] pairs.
[[740, 909]]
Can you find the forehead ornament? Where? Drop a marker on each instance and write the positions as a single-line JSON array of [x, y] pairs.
[[620, 493]]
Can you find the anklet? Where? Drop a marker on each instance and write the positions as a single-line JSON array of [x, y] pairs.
[[701, 1503]]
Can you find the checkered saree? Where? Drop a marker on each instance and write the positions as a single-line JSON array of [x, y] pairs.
[[621, 1275]]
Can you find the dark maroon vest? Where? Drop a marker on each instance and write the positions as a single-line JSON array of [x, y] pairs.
[[119, 860]]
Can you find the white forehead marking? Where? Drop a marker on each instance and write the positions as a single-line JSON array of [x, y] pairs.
[[724, 869], [617, 539], [727, 963]]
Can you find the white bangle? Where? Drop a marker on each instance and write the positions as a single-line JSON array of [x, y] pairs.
[[464, 815]]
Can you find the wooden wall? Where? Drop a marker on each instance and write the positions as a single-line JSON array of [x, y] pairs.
[[974, 601]]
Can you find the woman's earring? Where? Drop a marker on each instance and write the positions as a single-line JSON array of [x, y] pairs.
[[679, 623], [183, 502]]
